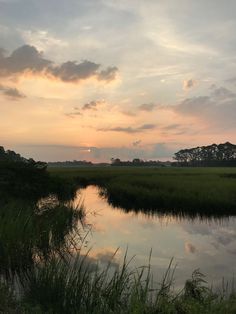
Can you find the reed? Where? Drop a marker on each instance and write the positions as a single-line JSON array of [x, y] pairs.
[[193, 191]]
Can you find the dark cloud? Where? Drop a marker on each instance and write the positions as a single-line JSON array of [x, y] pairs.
[[147, 107], [29, 59], [92, 105], [218, 108], [129, 129], [11, 92], [193, 105], [147, 127], [108, 75], [25, 58], [71, 71], [222, 93]]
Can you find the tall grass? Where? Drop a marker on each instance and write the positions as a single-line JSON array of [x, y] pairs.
[[42, 269], [203, 191], [40, 273], [27, 232], [62, 285]]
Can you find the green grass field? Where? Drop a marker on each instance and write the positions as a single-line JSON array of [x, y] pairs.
[[204, 191], [42, 270]]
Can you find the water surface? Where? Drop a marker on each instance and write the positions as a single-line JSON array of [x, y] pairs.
[[207, 244]]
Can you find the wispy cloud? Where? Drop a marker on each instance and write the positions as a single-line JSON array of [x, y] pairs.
[[172, 127], [136, 143], [129, 129], [73, 114], [147, 107], [92, 105], [11, 92]]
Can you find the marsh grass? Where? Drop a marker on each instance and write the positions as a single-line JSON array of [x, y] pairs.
[[62, 285], [40, 273], [27, 231], [193, 191], [42, 269]]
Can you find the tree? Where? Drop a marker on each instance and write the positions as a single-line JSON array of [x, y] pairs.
[[208, 155]]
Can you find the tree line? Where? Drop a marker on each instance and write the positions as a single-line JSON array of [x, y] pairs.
[[9, 156], [211, 155], [138, 162]]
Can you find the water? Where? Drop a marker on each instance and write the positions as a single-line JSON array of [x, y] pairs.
[[207, 244]]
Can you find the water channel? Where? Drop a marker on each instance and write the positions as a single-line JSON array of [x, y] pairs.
[[205, 244]]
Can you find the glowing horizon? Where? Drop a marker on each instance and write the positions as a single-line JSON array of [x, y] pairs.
[[103, 79]]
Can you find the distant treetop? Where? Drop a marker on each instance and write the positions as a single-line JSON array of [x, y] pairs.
[[204, 155]]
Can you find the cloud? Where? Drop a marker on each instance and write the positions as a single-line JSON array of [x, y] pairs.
[[11, 92], [92, 105], [129, 129], [143, 107], [136, 143], [197, 229], [71, 71], [190, 248], [108, 75], [231, 80], [108, 257], [73, 114], [218, 109], [128, 113], [42, 39], [222, 93], [172, 127], [188, 84], [147, 107], [25, 58], [28, 59]]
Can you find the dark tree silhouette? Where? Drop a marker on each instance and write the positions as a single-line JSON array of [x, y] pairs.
[[212, 155]]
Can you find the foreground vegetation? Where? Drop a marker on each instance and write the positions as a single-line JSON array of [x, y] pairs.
[[42, 266], [192, 191], [62, 285]]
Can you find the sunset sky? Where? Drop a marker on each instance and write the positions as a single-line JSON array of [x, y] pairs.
[[98, 79]]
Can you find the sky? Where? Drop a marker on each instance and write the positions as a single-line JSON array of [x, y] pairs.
[[101, 79]]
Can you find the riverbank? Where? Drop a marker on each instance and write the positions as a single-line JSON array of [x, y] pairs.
[[203, 191]]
